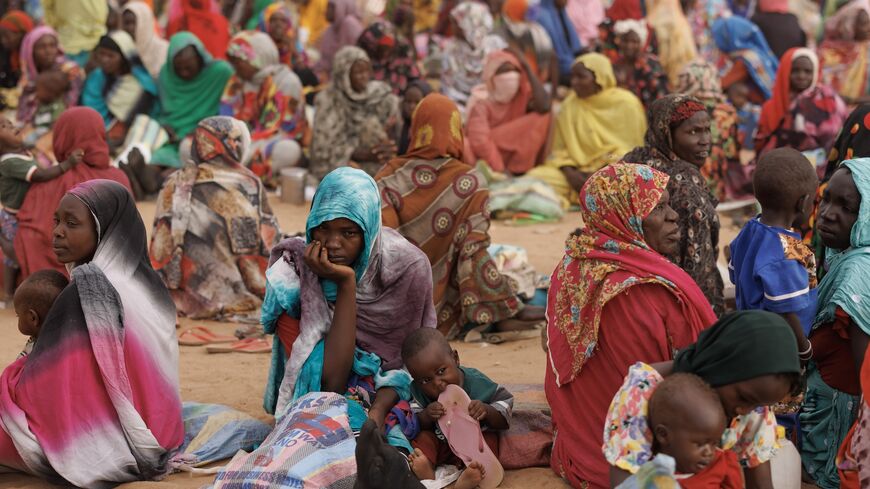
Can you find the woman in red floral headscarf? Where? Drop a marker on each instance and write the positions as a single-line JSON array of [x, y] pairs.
[[614, 300], [13, 27]]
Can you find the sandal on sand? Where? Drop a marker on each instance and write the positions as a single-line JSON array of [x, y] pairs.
[[249, 345], [200, 335], [465, 437]]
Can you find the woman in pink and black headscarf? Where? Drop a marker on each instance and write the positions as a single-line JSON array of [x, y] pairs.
[[40, 51]]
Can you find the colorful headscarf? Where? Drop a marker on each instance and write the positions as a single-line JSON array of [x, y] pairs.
[[517, 106], [222, 141], [151, 47], [255, 47], [664, 114], [27, 45], [742, 39], [853, 141], [846, 283], [776, 108], [258, 49], [841, 25], [741, 346], [613, 204], [293, 56], [400, 67], [344, 31], [436, 130], [18, 22], [639, 27], [700, 79]]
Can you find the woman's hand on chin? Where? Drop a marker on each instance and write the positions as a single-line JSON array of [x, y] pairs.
[[317, 259]]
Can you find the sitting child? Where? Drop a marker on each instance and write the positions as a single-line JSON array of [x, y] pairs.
[[51, 86], [434, 366], [748, 115], [33, 300], [17, 170], [687, 421], [770, 267]]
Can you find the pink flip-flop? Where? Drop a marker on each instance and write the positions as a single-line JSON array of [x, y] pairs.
[[465, 437]]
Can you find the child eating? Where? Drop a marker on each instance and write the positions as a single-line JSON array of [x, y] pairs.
[[770, 267], [18, 170], [33, 300], [434, 365], [687, 420]]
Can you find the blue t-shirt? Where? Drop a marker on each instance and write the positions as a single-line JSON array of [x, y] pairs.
[[772, 269]]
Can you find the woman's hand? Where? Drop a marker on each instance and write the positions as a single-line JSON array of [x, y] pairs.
[[385, 151], [317, 259]]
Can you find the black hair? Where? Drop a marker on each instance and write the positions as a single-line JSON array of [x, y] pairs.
[[678, 395], [39, 290], [420, 339], [57, 79], [783, 176]]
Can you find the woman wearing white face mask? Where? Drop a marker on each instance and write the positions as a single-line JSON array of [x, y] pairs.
[[509, 130]]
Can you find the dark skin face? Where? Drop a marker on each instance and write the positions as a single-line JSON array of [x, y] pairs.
[[330, 12], [10, 136], [74, 237], [801, 74], [629, 46], [693, 443], [360, 75], [862, 26], [743, 397], [434, 368], [187, 64], [691, 140], [342, 239], [660, 229], [583, 81], [112, 63], [738, 94], [45, 52], [838, 210], [128, 23], [11, 40], [278, 26], [413, 96], [244, 69]]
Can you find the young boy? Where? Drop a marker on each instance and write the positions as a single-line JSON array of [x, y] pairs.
[[748, 115], [687, 421], [32, 301], [770, 267], [434, 366], [18, 170]]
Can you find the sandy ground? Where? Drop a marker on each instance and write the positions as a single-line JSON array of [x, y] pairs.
[[238, 380]]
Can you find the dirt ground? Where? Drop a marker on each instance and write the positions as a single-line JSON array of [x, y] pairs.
[[238, 380]]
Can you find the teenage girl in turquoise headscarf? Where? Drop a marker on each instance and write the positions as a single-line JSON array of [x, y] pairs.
[[842, 327]]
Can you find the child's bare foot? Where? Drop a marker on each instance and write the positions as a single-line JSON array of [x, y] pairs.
[[471, 476], [421, 466]]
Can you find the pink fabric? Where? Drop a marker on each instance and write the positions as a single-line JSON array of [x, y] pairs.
[[586, 15], [343, 32], [778, 6]]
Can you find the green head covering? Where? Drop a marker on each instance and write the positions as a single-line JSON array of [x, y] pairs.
[[847, 283], [741, 346], [185, 103]]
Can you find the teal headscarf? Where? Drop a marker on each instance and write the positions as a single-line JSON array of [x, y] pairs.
[[847, 283], [352, 194], [185, 103]]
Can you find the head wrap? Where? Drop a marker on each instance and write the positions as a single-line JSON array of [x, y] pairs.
[[631, 25]]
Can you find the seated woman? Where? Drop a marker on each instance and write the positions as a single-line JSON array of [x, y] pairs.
[[509, 130], [267, 96], [413, 95], [78, 128], [103, 382], [203, 19], [345, 27], [191, 84], [551, 15], [341, 301], [41, 52], [393, 58], [355, 118], [845, 50], [750, 359], [14, 25], [120, 88], [678, 143], [597, 124], [448, 219], [802, 113], [137, 20], [277, 21], [464, 53], [752, 62], [841, 330], [213, 227], [726, 176], [613, 283], [646, 77]]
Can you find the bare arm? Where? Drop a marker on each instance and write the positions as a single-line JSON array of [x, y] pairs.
[[540, 101], [759, 477], [617, 476], [385, 399], [52, 172], [792, 319]]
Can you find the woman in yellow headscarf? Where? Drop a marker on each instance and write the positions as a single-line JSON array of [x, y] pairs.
[[597, 124]]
